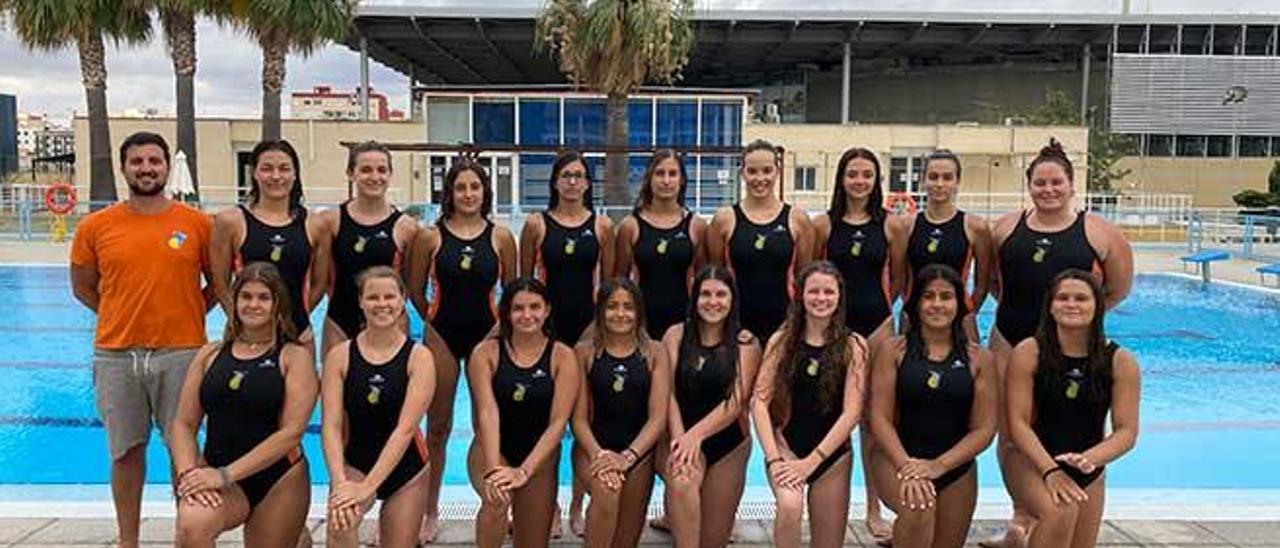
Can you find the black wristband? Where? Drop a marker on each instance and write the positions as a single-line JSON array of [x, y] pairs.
[[1045, 475], [490, 473], [769, 463]]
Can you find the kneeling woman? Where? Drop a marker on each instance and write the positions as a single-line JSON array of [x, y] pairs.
[[620, 412], [377, 387], [933, 409], [808, 399], [257, 388], [715, 364], [1061, 385], [523, 386]]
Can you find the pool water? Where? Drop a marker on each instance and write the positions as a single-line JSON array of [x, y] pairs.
[[1210, 358]]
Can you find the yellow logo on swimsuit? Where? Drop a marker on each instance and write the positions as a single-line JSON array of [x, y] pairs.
[[276, 253], [760, 241], [570, 245], [619, 383], [518, 395], [812, 368], [856, 249], [1073, 390], [935, 380], [360, 243], [237, 379], [465, 263], [662, 246], [933, 245], [1038, 256], [375, 394]]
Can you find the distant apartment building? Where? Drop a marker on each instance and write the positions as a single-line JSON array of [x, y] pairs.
[[323, 103], [40, 137], [8, 134]]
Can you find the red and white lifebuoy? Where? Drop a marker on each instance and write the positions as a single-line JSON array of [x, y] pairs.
[[60, 198], [901, 202]]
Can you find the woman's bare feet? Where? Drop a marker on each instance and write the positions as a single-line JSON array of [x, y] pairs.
[[557, 529], [1014, 537], [881, 530], [660, 523], [430, 526]]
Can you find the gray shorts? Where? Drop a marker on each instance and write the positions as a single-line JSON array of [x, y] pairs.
[[135, 389]]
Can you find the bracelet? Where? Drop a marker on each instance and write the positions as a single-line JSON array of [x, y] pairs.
[[822, 454], [226, 476], [631, 454], [490, 473], [768, 464], [522, 472], [1045, 476]]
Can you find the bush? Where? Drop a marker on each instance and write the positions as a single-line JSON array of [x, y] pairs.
[[1255, 199]]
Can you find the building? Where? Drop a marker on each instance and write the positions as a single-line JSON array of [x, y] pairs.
[[8, 135], [894, 62], [41, 138], [323, 103]]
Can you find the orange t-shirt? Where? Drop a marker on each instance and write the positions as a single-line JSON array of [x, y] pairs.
[[149, 275]]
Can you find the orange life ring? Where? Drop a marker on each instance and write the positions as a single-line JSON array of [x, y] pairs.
[[901, 198], [60, 206]]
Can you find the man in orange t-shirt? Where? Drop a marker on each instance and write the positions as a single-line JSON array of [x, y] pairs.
[[138, 264]]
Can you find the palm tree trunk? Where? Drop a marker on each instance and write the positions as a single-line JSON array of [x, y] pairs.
[[93, 73], [617, 194], [180, 36], [274, 48]]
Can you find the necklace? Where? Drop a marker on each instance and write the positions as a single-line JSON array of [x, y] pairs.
[[254, 344]]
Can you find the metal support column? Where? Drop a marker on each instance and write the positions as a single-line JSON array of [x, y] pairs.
[[1086, 63], [363, 92], [845, 83]]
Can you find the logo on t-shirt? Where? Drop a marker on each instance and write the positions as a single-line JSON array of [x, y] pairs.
[[177, 239]]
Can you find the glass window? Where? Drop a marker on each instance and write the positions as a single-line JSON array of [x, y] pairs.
[[1275, 145], [1254, 146], [1191, 145], [539, 121], [448, 120], [805, 178], [584, 122], [677, 123], [495, 121], [535, 174], [715, 180], [1159, 145], [721, 124], [640, 122], [1219, 146]]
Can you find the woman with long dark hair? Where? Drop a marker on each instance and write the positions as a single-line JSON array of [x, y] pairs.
[[377, 387], [933, 409], [620, 413], [808, 399], [857, 236], [274, 227], [462, 259], [704, 463], [1032, 247], [365, 231], [255, 391], [523, 387], [763, 240], [660, 243], [1062, 384]]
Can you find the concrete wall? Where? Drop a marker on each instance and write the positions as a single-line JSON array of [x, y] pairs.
[[317, 142], [1211, 181], [985, 94]]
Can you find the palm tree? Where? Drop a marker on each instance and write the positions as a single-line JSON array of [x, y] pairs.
[[614, 47], [50, 25], [178, 18], [300, 26]]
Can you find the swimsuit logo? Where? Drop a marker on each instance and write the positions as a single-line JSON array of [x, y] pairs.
[[1042, 248], [933, 245], [538, 374], [518, 395], [662, 246], [760, 241], [360, 243], [277, 247], [467, 257], [812, 368], [176, 239], [859, 234], [588, 233], [237, 379], [375, 392], [266, 364], [856, 250], [702, 360], [619, 383], [957, 364], [934, 381], [1073, 390], [779, 228], [381, 235], [570, 245]]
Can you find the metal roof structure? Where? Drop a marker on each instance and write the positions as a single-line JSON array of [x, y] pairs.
[[740, 43]]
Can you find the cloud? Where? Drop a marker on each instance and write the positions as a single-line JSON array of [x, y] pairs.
[[227, 75]]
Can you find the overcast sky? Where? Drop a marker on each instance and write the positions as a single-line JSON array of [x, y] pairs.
[[227, 81]]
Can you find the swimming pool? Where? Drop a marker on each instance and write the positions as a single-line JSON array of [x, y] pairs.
[[1210, 358]]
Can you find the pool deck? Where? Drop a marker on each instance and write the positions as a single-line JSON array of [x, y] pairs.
[[72, 532]]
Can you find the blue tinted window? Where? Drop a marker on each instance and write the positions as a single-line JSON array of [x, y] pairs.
[[721, 124], [677, 123], [535, 172], [495, 122], [584, 122], [640, 122], [716, 181], [539, 121]]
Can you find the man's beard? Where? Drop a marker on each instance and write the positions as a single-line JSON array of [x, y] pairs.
[[139, 190]]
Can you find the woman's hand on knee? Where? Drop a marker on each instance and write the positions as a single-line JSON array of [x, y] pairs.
[[344, 518], [921, 469], [917, 494], [1062, 489]]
